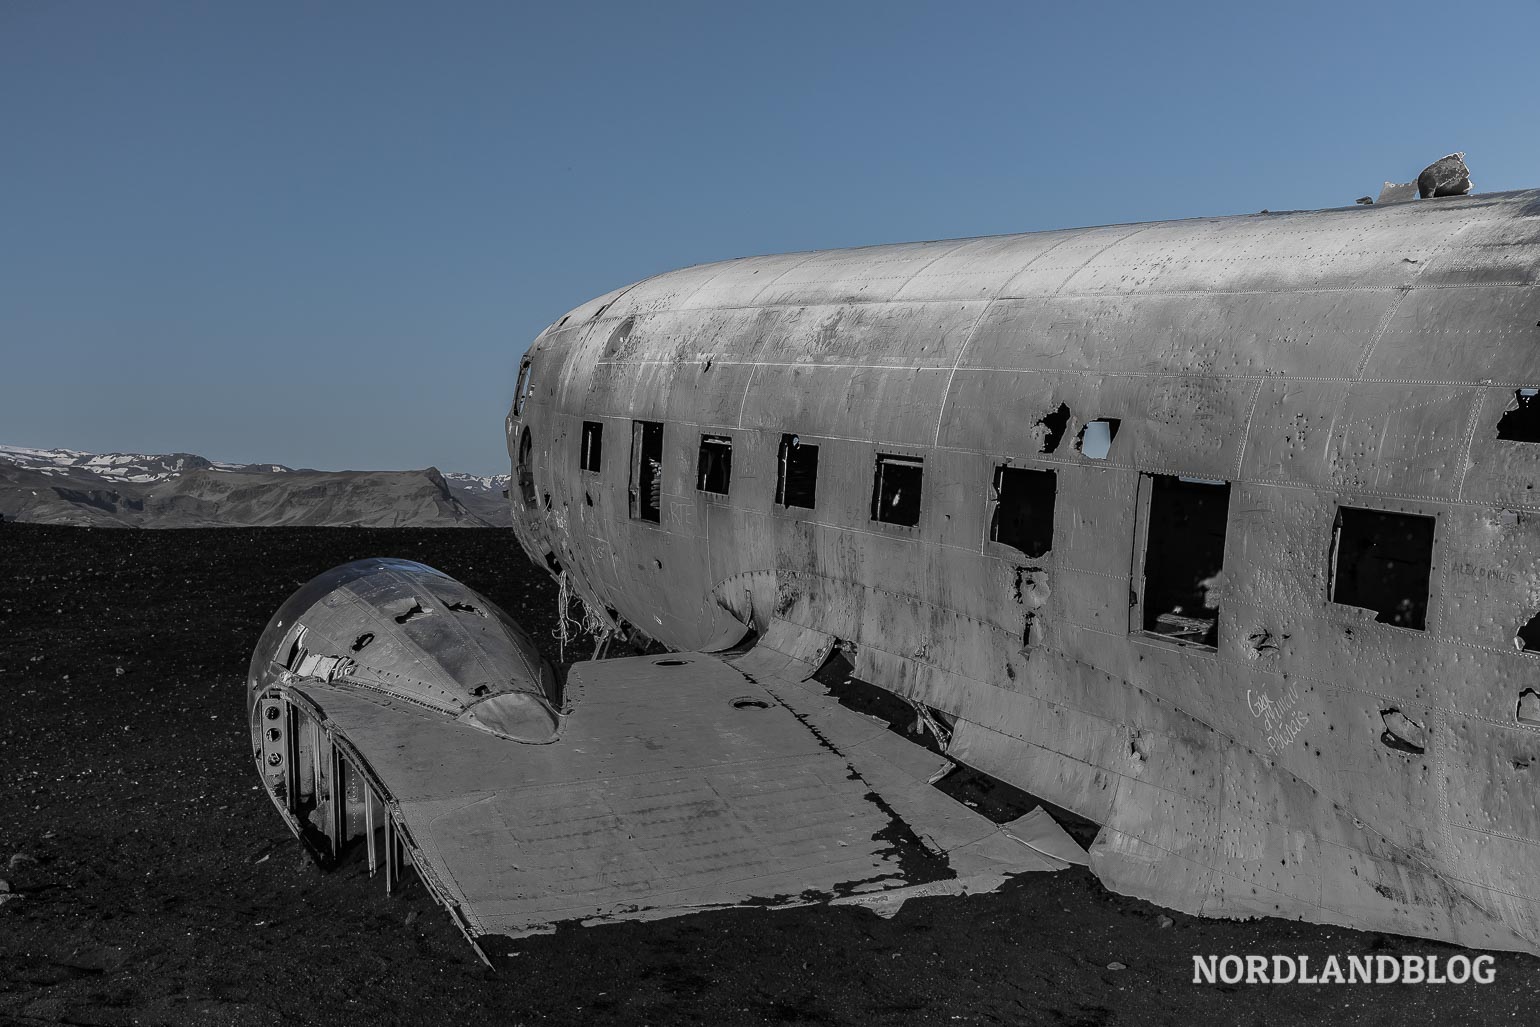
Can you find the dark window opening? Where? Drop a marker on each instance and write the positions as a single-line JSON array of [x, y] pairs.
[[526, 469], [1383, 563], [1184, 555], [714, 472], [1053, 426], [1522, 423], [593, 446], [896, 490], [1402, 732], [796, 481], [647, 471], [522, 387], [1023, 514]]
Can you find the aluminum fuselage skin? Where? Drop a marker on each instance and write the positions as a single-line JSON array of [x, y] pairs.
[[1358, 357]]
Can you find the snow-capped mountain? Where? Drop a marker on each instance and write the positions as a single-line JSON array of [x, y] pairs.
[[486, 497], [132, 467], [65, 486]]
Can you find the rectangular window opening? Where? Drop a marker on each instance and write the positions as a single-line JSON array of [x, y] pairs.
[[796, 481], [1023, 513], [592, 446], [896, 489], [1183, 558], [1383, 562], [647, 471], [714, 472]]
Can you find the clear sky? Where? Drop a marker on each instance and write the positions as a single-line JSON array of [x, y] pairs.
[[323, 233]]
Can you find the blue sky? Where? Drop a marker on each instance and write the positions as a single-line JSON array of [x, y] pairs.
[[323, 234]]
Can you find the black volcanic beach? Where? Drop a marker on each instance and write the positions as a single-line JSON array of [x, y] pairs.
[[157, 885]]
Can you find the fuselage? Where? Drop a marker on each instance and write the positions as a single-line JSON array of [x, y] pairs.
[[1221, 532]]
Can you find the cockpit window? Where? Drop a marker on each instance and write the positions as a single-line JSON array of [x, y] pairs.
[[526, 469], [525, 386]]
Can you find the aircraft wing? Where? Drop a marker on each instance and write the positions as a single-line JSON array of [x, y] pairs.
[[675, 783], [400, 717]]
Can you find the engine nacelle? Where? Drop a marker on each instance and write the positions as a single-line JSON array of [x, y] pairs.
[[407, 633]]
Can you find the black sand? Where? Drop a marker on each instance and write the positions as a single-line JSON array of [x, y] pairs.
[[167, 891]]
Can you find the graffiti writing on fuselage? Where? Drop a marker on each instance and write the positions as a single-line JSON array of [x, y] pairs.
[[1281, 717]]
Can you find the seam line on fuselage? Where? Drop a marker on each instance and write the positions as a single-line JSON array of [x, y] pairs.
[[962, 350]]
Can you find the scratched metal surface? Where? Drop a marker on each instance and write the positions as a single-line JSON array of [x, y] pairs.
[[1360, 356]]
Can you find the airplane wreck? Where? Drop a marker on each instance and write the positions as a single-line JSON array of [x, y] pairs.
[[1220, 533]]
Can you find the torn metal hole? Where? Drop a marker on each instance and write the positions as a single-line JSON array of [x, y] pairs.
[[1528, 710], [1053, 426], [466, 608], [669, 663], [362, 640], [1528, 638], [415, 611], [1402, 733], [1521, 423], [749, 702], [1262, 641], [1095, 439]]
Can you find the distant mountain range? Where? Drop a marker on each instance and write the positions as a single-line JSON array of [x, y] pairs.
[[182, 490]]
